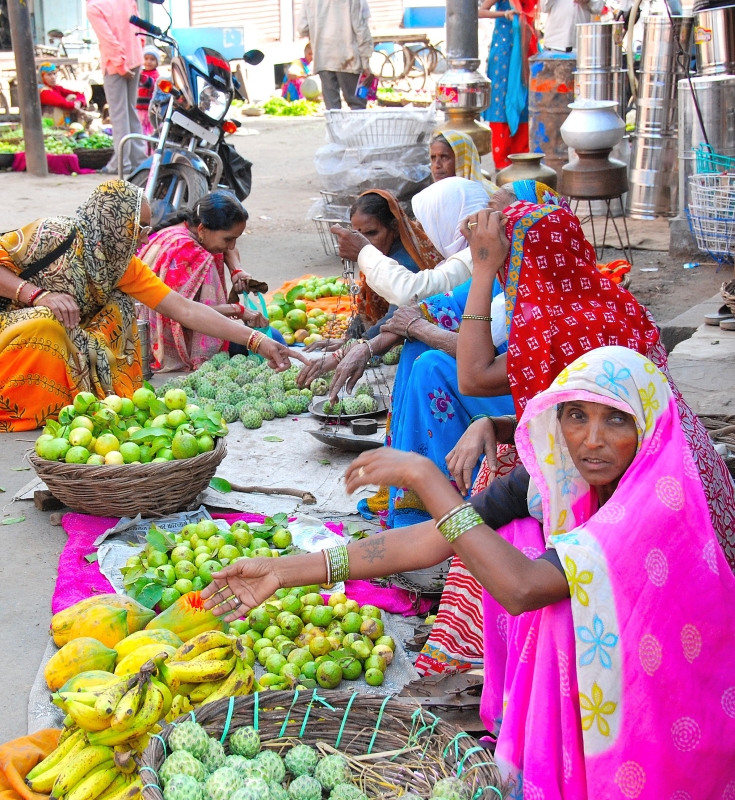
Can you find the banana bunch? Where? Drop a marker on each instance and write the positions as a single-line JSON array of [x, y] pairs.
[[122, 712], [207, 668], [78, 770]]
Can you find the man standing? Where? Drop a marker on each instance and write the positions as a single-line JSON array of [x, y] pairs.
[[560, 30], [121, 56], [340, 35]]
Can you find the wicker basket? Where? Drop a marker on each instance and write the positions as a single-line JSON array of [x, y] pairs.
[[152, 490], [93, 159], [393, 745]]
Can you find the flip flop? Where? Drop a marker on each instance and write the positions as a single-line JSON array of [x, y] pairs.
[[714, 319]]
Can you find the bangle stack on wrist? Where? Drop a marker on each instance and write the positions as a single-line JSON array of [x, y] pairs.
[[337, 560], [459, 520], [19, 289], [254, 342]]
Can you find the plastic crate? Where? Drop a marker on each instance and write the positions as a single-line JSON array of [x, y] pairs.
[[381, 127], [708, 161], [714, 194], [714, 235]]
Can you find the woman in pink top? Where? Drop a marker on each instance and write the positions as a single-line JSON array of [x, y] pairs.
[[121, 56]]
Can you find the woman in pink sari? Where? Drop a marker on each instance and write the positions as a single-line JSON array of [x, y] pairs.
[[190, 255], [609, 608]]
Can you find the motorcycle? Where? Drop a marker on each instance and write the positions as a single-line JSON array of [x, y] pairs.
[[188, 114]]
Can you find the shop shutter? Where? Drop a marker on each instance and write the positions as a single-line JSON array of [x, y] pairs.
[[261, 17]]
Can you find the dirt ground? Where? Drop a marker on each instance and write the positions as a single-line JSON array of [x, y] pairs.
[[280, 244]]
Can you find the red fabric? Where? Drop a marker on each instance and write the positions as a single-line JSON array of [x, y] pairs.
[[564, 307], [59, 97], [504, 144], [58, 164]]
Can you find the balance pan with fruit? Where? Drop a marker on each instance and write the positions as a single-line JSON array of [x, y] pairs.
[[127, 456]]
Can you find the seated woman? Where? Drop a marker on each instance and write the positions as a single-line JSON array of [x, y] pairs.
[[190, 255], [57, 102], [453, 153], [67, 314], [610, 591], [295, 75], [378, 216], [439, 209]]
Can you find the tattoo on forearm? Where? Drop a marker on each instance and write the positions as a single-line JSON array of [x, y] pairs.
[[482, 254], [374, 549]]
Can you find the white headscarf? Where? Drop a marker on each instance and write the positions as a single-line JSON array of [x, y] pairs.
[[443, 206]]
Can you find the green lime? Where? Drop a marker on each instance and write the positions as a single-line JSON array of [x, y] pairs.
[[183, 586], [329, 675], [374, 677]]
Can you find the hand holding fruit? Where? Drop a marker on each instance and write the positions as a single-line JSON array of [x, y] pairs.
[[64, 308], [241, 586], [350, 242], [314, 369], [350, 370]]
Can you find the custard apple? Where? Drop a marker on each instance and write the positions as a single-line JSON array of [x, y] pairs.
[[222, 783], [183, 787], [206, 390], [294, 404], [289, 382], [332, 770], [305, 788], [214, 758], [266, 410], [274, 764], [347, 791], [333, 408], [450, 789], [219, 358], [245, 741], [251, 418], [307, 393], [181, 762], [252, 789], [365, 388], [190, 736], [239, 763], [237, 396], [243, 379], [222, 396], [319, 387], [280, 409], [257, 392], [351, 405], [367, 403], [257, 770], [229, 413], [277, 792], [393, 356], [301, 760]]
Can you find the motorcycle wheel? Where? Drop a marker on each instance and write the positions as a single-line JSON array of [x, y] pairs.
[[170, 177]]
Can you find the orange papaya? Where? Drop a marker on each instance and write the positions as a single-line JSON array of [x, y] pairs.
[[78, 655], [187, 617], [138, 615], [104, 623]]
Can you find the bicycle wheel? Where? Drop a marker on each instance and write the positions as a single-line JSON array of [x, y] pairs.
[[178, 186]]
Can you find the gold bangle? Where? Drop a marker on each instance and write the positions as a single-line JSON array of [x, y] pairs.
[[39, 297], [19, 289], [480, 317]]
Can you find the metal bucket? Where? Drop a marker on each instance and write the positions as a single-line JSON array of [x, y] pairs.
[[657, 109], [146, 355], [714, 41], [600, 45], [715, 95], [659, 51], [653, 178], [596, 85], [550, 90]]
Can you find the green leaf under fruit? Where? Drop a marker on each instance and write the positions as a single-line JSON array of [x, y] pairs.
[[150, 595], [325, 461], [147, 385], [132, 576], [159, 540], [272, 439], [221, 485], [13, 520], [91, 558], [21, 469], [158, 407], [295, 293], [280, 519], [148, 434]]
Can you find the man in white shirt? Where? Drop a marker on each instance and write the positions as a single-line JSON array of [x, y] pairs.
[[560, 30], [340, 36]]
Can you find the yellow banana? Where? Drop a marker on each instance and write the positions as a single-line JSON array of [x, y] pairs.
[[130, 791], [128, 707], [200, 644], [144, 720], [95, 783], [120, 782], [107, 701], [181, 705], [76, 768], [124, 760], [185, 689], [167, 696], [215, 654], [85, 716], [239, 682], [85, 698], [67, 733], [202, 691], [42, 782], [58, 755], [202, 671]]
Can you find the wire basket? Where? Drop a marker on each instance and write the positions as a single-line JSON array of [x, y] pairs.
[[394, 747], [708, 161], [151, 490], [714, 235], [330, 242], [714, 194], [380, 128]]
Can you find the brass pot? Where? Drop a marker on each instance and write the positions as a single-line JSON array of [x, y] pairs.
[[527, 167]]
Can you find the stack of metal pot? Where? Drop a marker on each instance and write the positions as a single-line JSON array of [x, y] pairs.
[[600, 74], [653, 174]]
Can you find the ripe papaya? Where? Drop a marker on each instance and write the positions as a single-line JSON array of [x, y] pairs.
[[135, 660], [79, 655], [140, 638], [106, 624], [92, 679], [138, 615], [187, 617]]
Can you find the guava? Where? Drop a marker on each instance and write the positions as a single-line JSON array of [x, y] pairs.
[[184, 445], [282, 538], [83, 422], [83, 401], [175, 398], [114, 402], [184, 586], [95, 460], [206, 529], [329, 675], [77, 455], [181, 553], [57, 449], [186, 570], [130, 452], [114, 457]]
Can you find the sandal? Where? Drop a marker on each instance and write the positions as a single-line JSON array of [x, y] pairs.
[[715, 319]]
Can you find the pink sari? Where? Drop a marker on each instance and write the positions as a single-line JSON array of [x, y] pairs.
[[187, 268], [627, 689]]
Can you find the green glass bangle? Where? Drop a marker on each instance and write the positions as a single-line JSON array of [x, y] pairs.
[[464, 520], [339, 563]]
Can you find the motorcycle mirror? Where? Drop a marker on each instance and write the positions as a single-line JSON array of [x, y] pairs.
[[253, 57], [157, 2]]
